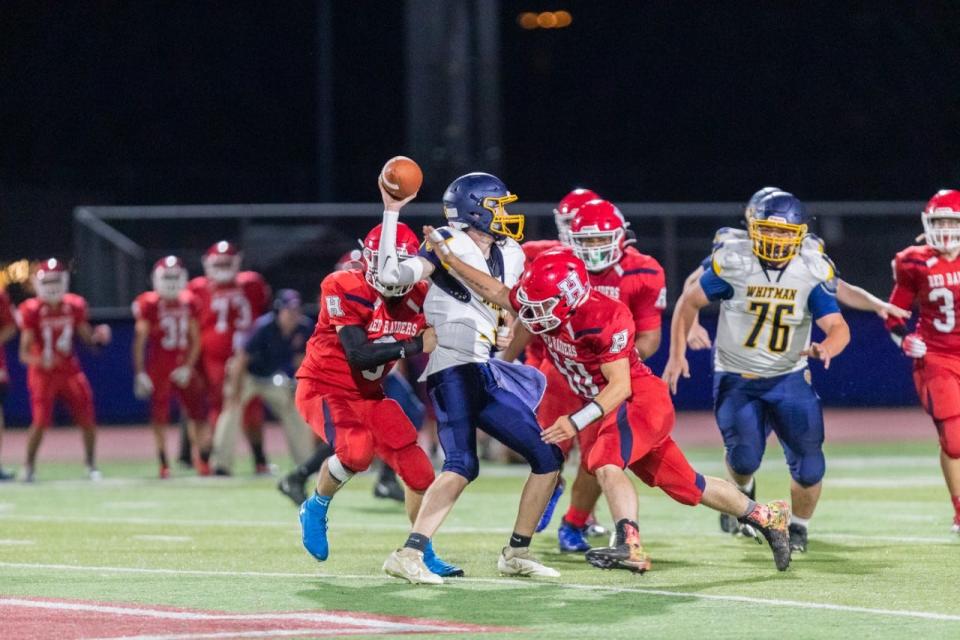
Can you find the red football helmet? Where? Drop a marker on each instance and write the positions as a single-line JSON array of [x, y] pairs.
[[352, 259], [169, 277], [221, 262], [407, 246], [598, 234], [51, 280], [551, 288], [567, 208], [941, 220]]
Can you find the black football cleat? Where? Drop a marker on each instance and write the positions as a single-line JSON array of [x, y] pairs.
[[291, 485], [798, 538], [631, 557]]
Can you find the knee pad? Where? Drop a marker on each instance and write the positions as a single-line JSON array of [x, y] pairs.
[[338, 471], [414, 468], [949, 431], [546, 459], [463, 464], [744, 460], [808, 470]]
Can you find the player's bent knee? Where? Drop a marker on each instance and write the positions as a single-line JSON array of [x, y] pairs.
[[545, 459], [950, 437], [414, 468], [339, 470], [743, 461], [809, 470], [463, 465]]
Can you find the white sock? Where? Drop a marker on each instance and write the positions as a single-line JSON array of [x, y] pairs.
[[747, 488], [803, 522]]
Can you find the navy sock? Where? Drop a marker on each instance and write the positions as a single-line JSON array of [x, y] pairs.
[[417, 541], [518, 541]]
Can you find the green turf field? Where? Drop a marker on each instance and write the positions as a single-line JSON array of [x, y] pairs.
[[882, 563]]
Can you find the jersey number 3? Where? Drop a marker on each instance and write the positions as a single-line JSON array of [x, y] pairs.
[[942, 294], [779, 332]]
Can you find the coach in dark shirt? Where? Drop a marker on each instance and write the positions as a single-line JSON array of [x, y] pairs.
[[263, 368]]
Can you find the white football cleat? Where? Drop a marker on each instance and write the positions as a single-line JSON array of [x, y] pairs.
[[956, 525], [517, 561], [94, 474], [407, 564]]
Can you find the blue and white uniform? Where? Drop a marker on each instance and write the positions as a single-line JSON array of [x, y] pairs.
[[468, 389], [761, 380]]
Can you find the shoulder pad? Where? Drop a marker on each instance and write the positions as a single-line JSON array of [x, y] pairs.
[[734, 256], [813, 242], [725, 234], [819, 264]]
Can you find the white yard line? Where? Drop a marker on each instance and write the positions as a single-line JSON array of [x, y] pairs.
[[269, 633], [947, 538], [6, 542], [153, 538], [768, 602]]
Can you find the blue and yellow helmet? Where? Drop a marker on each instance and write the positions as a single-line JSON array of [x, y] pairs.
[[477, 200], [778, 226]]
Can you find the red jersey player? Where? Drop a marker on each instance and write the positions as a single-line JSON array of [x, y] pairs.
[[48, 325], [598, 237], [8, 329], [166, 347], [626, 415], [930, 276], [363, 328], [229, 301]]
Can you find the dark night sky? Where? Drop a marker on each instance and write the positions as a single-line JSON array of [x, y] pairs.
[[177, 102]]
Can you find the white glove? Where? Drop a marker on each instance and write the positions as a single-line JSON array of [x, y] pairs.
[[181, 376], [437, 240], [102, 334], [913, 346], [142, 386]]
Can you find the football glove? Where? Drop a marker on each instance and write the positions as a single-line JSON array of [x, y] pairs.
[[142, 386], [913, 346], [181, 376]]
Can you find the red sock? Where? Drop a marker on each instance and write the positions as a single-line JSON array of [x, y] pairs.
[[956, 505], [576, 517]]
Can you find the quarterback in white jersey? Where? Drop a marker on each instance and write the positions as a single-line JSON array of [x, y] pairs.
[[468, 389], [772, 286]]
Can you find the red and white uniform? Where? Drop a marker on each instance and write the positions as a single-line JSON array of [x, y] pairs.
[[637, 280], [345, 406], [226, 311], [6, 318], [637, 435], [924, 277], [167, 347], [59, 375], [536, 354]]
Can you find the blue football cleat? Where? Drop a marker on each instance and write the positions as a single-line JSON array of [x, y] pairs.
[[438, 566], [572, 539], [313, 524], [551, 506]]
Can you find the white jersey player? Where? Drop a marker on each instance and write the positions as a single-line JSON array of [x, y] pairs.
[[772, 286], [467, 388]]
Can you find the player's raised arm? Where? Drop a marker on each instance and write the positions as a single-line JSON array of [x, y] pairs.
[[485, 286], [390, 269]]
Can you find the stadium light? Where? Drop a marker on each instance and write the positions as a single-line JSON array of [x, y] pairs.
[[530, 20]]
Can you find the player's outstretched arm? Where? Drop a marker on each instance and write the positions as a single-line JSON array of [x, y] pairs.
[[521, 338], [685, 313], [859, 298], [390, 270], [362, 353], [837, 339], [617, 390], [697, 337], [97, 336], [485, 286]]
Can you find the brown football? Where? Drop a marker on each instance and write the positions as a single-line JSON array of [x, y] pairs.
[[401, 177]]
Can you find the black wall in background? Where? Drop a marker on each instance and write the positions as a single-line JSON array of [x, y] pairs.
[[181, 102]]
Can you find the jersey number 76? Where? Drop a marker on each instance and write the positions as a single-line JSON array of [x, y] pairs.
[[779, 332]]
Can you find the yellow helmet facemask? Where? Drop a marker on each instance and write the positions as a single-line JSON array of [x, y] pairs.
[[779, 246], [503, 223]]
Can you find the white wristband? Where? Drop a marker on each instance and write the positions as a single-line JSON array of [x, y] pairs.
[[437, 240], [587, 414]]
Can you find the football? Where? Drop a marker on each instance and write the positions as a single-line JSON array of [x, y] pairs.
[[401, 177]]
